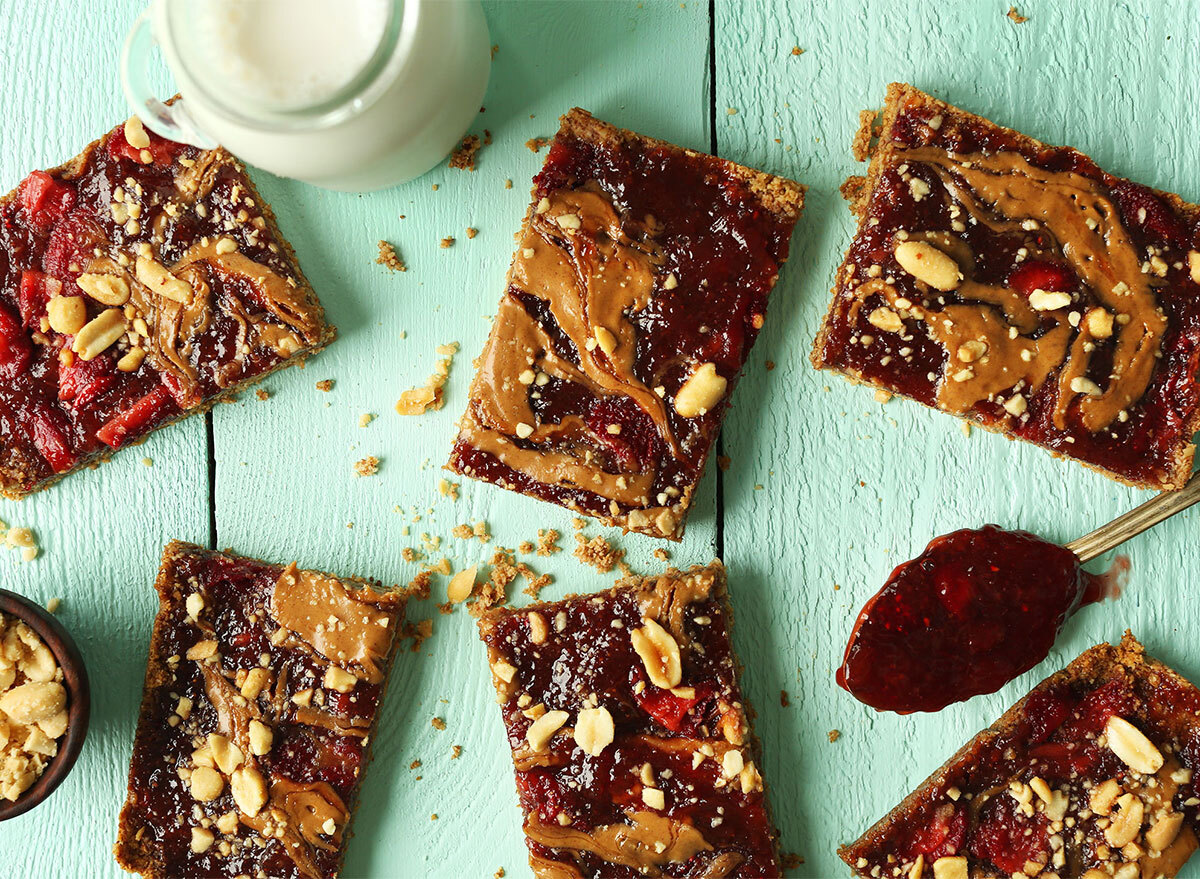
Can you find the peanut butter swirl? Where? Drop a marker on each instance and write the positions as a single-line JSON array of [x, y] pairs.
[[990, 335], [646, 843], [577, 258]]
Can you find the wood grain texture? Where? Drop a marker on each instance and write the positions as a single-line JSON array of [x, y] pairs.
[[849, 488], [852, 488]]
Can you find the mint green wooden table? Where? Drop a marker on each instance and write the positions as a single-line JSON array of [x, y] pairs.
[[827, 491]]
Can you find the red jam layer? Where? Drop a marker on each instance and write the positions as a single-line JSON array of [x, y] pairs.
[[592, 654], [965, 617], [1141, 448], [53, 416]]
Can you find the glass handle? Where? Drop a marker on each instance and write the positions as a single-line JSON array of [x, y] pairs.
[[172, 121]]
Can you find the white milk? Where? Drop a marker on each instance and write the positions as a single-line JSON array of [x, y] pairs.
[[345, 94]]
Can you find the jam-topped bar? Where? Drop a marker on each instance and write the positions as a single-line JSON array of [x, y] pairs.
[[139, 283], [630, 737], [1090, 775], [262, 691], [1020, 286], [639, 284]]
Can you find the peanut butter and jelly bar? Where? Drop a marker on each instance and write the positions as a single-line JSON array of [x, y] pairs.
[[639, 284], [1020, 286], [630, 738], [1090, 776], [262, 691], [139, 283]]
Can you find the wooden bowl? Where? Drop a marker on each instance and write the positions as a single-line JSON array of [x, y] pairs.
[[79, 704]]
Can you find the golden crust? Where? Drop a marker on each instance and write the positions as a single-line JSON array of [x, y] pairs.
[[16, 469], [857, 191], [136, 854]]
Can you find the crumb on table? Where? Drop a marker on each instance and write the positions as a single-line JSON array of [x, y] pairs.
[[325, 385], [463, 157], [388, 257], [449, 489], [598, 553], [662, 555], [472, 232], [368, 466], [429, 396], [446, 242], [438, 724], [796, 50], [833, 735], [535, 144], [1017, 18], [263, 394], [784, 699], [365, 419]]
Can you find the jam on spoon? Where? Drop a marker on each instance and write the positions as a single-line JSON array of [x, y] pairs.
[[974, 610]]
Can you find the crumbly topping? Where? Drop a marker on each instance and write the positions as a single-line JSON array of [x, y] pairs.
[[33, 707], [449, 489], [472, 232], [325, 385], [446, 242], [20, 538], [833, 735], [1016, 17], [598, 553], [262, 394], [535, 144], [418, 400], [438, 724], [388, 257]]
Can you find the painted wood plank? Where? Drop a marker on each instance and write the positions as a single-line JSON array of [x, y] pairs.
[[285, 483], [101, 532], [852, 488]]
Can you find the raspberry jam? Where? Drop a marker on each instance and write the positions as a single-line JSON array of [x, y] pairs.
[[966, 616]]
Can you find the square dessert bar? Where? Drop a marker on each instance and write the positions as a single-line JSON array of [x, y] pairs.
[[1090, 775], [262, 692], [639, 284], [630, 738], [1018, 285], [139, 283]]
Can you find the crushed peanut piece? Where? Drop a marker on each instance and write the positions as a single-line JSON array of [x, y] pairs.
[[389, 258]]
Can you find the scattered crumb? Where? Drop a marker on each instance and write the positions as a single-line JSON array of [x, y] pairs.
[[263, 394], [435, 187], [966, 429], [731, 111], [368, 466], [833, 735], [325, 385], [480, 530], [419, 633], [449, 489], [418, 586], [417, 400], [784, 699], [535, 144], [495, 49], [578, 523], [487, 135], [598, 553], [433, 817], [53, 605], [723, 461], [790, 860], [463, 158], [758, 486], [448, 241], [499, 874], [508, 184], [662, 555], [1017, 18], [388, 257], [770, 365], [535, 582], [495, 591], [472, 232], [414, 764], [365, 419], [149, 462], [456, 752], [20, 538], [882, 396], [796, 50], [526, 547], [438, 723]]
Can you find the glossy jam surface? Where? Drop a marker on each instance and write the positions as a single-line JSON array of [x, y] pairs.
[[236, 593], [56, 409], [966, 616], [722, 251], [1141, 447], [593, 654], [973, 806]]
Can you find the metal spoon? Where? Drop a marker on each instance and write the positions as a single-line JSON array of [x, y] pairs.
[[1137, 520]]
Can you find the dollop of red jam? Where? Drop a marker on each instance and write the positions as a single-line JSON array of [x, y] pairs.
[[974, 610]]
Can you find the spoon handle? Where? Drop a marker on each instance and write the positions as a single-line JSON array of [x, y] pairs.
[[1136, 521]]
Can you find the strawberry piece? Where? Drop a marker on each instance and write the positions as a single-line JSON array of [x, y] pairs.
[[1008, 838], [637, 445], [85, 380], [664, 706], [48, 430], [70, 246], [162, 151], [137, 418], [1039, 275], [943, 836], [1141, 207], [35, 291], [45, 200], [15, 350]]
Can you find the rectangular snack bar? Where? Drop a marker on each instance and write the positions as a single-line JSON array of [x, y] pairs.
[[639, 284], [630, 738], [1020, 286], [1090, 775], [263, 687], [139, 283]]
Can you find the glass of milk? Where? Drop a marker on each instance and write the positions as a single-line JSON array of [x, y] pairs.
[[345, 94]]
